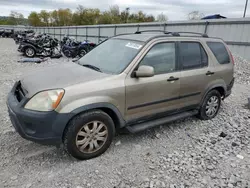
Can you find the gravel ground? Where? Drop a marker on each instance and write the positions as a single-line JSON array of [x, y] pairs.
[[187, 153]]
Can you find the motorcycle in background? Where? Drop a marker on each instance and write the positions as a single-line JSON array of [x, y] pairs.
[[44, 45], [7, 33], [19, 36], [74, 49]]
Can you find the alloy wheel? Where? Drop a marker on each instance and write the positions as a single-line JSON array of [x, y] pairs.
[[30, 52], [91, 137], [212, 106]]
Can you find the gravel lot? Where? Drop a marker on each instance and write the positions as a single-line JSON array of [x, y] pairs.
[[188, 153]]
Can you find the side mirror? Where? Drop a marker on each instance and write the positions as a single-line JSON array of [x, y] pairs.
[[144, 71]]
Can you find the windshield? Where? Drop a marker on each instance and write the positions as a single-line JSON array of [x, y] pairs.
[[112, 56]]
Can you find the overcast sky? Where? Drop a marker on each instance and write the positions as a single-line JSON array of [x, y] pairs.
[[174, 9]]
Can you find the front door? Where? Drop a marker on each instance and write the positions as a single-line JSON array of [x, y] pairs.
[[153, 95]]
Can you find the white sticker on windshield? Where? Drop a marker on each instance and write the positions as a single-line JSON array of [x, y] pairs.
[[133, 45]]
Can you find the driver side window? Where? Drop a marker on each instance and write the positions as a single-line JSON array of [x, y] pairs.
[[161, 57]]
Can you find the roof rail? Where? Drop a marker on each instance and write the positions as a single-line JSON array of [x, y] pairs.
[[145, 31], [176, 34], [201, 34]]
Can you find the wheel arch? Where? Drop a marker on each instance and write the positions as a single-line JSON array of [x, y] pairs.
[[108, 108], [219, 87], [29, 46]]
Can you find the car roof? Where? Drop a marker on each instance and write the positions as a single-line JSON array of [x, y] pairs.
[[145, 37]]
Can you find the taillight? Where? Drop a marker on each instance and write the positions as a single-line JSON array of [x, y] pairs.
[[231, 55], [232, 58]]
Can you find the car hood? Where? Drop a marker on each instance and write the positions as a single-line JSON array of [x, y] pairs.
[[59, 76]]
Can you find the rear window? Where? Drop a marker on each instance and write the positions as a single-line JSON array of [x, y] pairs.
[[220, 52]]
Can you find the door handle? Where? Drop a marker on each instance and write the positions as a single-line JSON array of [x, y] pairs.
[[209, 73], [172, 79]]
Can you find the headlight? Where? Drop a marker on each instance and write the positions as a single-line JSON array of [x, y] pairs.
[[45, 100]]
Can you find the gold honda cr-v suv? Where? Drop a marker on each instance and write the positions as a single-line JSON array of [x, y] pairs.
[[131, 81]]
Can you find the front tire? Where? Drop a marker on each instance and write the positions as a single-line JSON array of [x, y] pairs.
[[29, 52], [89, 135], [67, 53], [210, 106], [82, 52]]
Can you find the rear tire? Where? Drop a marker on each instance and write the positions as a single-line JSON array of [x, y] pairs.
[[89, 135], [210, 106]]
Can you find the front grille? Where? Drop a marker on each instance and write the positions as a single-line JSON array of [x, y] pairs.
[[20, 92]]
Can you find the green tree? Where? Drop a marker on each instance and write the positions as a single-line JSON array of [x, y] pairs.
[[34, 19], [44, 17], [84, 16], [124, 15], [91, 16], [105, 18], [4, 21], [140, 17], [65, 17], [150, 18], [87, 16], [54, 17], [114, 12]]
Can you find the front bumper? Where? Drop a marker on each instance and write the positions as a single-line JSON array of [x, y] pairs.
[[41, 127]]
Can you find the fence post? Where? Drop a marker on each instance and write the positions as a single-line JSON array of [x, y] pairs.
[[44, 30], [76, 32], [54, 32], [115, 30], [99, 33], [206, 26], [86, 33], [60, 33], [164, 27], [138, 27]]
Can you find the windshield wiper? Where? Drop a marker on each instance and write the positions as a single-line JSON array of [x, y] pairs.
[[92, 67]]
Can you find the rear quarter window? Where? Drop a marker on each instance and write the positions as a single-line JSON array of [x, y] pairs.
[[220, 52]]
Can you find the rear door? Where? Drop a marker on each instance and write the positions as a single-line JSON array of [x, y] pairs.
[[224, 64], [197, 71]]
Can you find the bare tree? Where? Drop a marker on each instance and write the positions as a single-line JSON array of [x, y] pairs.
[[162, 18], [16, 17], [195, 15]]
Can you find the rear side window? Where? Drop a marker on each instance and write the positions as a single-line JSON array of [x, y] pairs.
[[220, 52], [192, 55]]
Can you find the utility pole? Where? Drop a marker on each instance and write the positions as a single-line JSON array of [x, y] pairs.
[[245, 9]]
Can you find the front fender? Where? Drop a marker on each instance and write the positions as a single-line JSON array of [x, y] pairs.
[[86, 104], [25, 45], [70, 105]]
